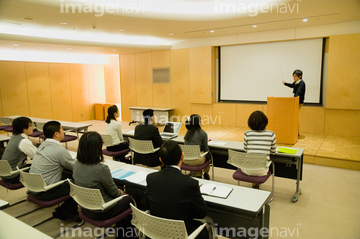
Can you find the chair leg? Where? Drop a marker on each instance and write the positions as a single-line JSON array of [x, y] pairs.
[[66, 145], [238, 182]]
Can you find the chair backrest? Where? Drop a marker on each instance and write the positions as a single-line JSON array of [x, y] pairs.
[[33, 181], [39, 126], [88, 198], [141, 146], [191, 152], [156, 227], [246, 160], [107, 139], [6, 121], [5, 169]]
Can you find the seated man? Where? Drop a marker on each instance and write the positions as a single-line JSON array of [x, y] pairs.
[[50, 160], [147, 131], [173, 195], [19, 146]]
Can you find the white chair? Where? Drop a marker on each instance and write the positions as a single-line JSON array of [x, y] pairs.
[[248, 161], [36, 183], [192, 152], [161, 228], [7, 122], [6, 171], [141, 147], [92, 199], [108, 141]]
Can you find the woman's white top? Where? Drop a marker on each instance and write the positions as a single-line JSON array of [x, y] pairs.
[[114, 129]]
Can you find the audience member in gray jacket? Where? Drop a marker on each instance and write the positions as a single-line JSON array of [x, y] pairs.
[[50, 160]]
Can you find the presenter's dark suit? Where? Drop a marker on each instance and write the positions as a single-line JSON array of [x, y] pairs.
[[298, 90], [172, 195], [147, 131]]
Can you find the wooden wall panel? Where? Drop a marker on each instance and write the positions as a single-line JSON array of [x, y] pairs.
[[160, 59], [1, 106], [38, 83], [342, 122], [205, 111], [14, 99], [312, 120], [200, 75], [342, 90], [80, 92], [96, 86], [243, 111], [161, 95], [60, 91], [128, 85], [180, 83], [112, 80], [224, 114], [143, 76]]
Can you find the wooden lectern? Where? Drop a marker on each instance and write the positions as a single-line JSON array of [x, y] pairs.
[[283, 115]]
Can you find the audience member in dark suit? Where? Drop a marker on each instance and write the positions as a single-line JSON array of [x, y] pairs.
[[147, 131], [173, 195]]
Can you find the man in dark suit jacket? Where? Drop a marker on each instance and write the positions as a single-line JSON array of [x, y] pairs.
[[298, 86], [172, 195], [147, 131]]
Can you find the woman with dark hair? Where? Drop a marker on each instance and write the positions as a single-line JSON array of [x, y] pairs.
[[113, 128], [196, 136], [258, 140], [90, 172]]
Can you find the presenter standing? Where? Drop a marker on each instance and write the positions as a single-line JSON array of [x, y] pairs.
[[298, 86]]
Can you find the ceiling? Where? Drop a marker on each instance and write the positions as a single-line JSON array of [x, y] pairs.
[[121, 26]]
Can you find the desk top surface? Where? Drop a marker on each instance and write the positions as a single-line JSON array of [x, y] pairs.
[[242, 198], [10, 227], [66, 124], [4, 138], [225, 145], [145, 108]]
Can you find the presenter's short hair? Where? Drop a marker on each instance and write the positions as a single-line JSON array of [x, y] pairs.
[[90, 148], [298, 73], [50, 128], [257, 120], [148, 114], [170, 153], [21, 123]]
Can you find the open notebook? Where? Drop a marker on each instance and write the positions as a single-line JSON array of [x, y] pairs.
[[171, 130], [215, 190]]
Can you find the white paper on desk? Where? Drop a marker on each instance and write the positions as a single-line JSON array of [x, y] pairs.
[[73, 154], [216, 143], [215, 190], [130, 132], [137, 177]]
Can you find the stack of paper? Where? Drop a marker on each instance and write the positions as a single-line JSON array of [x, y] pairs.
[[137, 177], [287, 150]]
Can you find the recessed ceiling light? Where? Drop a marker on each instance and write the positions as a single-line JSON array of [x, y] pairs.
[[121, 30], [16, 45], [212, 31], [63, 23], [28, 18], [254, 26], [305, 20]]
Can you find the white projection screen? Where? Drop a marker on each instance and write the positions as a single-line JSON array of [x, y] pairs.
[[252, 72]]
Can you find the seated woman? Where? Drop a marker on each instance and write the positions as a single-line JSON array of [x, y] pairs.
[[196, 136], [113, 128], [89, 172], [258, 140]]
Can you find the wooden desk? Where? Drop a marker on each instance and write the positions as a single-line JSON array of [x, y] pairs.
[[161, 115], [244, 207], [11, 227], [286, 165]]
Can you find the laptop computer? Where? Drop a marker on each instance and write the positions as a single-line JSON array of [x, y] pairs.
[[171, 130]]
